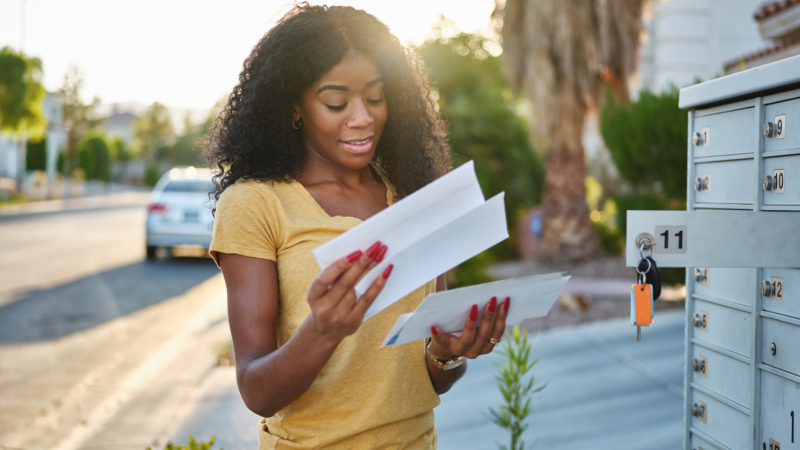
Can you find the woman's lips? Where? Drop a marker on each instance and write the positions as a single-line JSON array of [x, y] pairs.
[[358, 146]]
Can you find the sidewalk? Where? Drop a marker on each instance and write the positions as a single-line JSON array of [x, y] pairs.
[[122, 199], [605, 391]]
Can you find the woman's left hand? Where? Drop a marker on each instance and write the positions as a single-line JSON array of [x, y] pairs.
[[473, 340]]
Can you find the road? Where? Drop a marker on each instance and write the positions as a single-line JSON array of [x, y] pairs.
[[80, 312]]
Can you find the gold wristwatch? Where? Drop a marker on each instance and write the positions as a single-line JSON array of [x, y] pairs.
[[451, 363]]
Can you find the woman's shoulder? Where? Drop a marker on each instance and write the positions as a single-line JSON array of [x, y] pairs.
[[242, 190]]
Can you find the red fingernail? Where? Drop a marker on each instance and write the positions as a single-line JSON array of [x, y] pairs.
[[433, 330], [374, 249], [493, 304], [381, 252], [387, 271], [505, 305], [353, 256], [473, 315]]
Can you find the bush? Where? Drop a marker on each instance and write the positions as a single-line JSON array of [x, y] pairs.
[[647, 140], [192, 445], [475, 99], [151, 174], [36, 155], [517, 392], [94, 157]]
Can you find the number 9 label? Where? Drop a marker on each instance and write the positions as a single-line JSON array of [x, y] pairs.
[[671, 239]]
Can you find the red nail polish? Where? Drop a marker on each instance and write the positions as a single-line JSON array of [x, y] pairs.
[[381, 253], [493, 304], [473, 314], [374, 249], [505, 305], [388, 271], [434, 332], [353, 256]]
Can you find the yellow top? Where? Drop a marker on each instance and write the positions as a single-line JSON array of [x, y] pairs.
[[365, 396]]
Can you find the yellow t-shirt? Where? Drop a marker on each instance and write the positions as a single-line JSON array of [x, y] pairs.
[[366, 396]]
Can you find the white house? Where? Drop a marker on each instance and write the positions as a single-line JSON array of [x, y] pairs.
[[56, 141]]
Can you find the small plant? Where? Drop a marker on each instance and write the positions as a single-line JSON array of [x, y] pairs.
[[517, 393], [192, 445]]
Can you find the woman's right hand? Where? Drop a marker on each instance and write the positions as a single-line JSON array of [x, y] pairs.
[[335, 311]]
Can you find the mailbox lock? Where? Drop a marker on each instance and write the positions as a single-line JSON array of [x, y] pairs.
[[773, 349], [769, 129], [698, 320], [766, 288], [767, 183], [697, 138], [698, 410], [698, 365], [699, 274], [699, 184]]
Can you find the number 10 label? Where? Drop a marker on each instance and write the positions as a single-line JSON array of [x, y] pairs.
[[671, 239]]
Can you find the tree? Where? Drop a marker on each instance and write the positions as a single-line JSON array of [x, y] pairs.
[[78, 116], [560, 54], [94, 157], [21, 98], [476, 100], [153, 130]]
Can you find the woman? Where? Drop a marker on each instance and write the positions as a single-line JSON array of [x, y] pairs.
[[330, 123]]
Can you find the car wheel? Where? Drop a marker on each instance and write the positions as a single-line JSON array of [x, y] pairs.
[[151, 252]]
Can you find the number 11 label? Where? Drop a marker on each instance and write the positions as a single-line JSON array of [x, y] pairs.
[[671, 239]]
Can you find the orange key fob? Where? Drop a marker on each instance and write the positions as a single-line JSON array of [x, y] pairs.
[[641, 305]]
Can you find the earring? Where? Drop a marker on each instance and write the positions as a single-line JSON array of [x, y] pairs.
[[296, 124]]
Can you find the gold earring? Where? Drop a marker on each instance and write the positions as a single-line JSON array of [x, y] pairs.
[[296, 124]]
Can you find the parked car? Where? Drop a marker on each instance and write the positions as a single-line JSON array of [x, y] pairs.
[[179, 215]]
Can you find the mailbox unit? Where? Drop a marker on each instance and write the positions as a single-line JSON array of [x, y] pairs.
[[740, 242]]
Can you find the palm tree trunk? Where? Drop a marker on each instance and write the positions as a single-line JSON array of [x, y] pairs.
[[567, 234]]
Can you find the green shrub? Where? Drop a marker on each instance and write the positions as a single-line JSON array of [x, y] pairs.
[[484, 125], [36, 155], [151, 174], [647, 140], [517, 392], [192, 445], [94, 157]]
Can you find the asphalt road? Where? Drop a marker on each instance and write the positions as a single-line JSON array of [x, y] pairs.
[[78, 306]]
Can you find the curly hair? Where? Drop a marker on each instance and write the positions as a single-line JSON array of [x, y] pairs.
[[252, 137]]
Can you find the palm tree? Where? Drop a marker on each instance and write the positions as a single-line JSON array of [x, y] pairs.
[[561, 53]]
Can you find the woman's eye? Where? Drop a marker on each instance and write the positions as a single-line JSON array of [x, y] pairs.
[[337, 108], [376, 101]]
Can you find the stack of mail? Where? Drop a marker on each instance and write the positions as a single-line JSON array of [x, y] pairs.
[[530, 297], [427, 233]]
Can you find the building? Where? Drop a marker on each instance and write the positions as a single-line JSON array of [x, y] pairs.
[[56, 138], [779, 23], [692, 40]]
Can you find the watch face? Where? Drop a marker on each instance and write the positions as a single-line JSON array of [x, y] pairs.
[[454, 364]]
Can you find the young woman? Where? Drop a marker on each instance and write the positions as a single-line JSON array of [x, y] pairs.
[[331, 122]]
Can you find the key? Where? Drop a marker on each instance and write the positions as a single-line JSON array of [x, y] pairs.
[[651, 274], [641, 306]]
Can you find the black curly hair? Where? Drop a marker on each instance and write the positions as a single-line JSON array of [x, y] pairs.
[[253, 138]]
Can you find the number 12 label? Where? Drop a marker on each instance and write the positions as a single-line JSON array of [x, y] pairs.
[[671, 239]]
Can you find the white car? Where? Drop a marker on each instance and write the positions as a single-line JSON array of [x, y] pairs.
[[179, 215]]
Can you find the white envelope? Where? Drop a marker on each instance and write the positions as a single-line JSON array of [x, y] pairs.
[[530, 297], [427, 233]]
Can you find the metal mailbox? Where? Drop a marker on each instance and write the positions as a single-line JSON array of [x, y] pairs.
[[739, 240]]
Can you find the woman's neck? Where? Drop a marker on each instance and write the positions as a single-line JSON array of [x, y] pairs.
[[319, 170]]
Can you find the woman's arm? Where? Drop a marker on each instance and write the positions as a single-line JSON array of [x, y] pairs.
[[269, 377], [443, 380], [471, 343]]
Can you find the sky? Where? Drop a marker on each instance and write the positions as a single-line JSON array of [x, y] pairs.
[[184, 54]]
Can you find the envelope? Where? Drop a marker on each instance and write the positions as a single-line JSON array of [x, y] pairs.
[[427, 233], [530, 297]]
